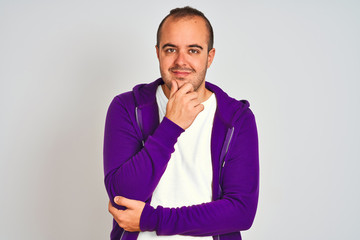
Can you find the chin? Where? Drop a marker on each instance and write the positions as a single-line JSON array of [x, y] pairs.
[[181, 82]]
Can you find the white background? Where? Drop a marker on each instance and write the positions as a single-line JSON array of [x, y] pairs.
[[62, 62]]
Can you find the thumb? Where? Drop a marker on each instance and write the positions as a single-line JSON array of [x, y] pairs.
[[174, 88], [123, 201]]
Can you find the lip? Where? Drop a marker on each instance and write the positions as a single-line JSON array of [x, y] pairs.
[[181, 73]]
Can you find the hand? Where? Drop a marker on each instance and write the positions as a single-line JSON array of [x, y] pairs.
[[183, 105], [128, 219]]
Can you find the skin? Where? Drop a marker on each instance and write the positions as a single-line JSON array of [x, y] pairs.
[[128, 219], [183, 55], [183, 60]]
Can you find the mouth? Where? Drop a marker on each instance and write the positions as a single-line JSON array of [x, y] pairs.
[[181, 74]]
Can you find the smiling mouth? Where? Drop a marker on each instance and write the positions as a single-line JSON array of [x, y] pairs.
[[181, 72]]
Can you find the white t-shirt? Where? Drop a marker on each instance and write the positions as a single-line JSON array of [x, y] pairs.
[[187, 179]]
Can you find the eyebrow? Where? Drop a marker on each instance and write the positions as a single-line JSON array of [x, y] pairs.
[[168, 45], [196, 46], [172, 45]]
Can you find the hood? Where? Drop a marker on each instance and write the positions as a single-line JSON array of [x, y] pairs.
[[230, 109], [145, 94]]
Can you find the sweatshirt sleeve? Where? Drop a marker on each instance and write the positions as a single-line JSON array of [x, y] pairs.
[[133, 170], [234, 211]]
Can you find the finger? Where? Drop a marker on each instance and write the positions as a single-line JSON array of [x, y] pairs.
[[192, 96], [195, 102], [123, 201], [113, 210], [199, 108], [110, 206], [174, 88], [195, 106], [186, 88]]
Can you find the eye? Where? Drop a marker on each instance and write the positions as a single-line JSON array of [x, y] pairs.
[[194, 51], [170, 50]]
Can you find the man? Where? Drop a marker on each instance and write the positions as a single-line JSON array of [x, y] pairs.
[[180, 155]]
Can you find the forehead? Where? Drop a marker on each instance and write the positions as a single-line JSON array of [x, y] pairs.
[[187, 30]]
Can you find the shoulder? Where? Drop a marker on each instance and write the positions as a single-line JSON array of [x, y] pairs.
[[231, 110], [126, 98], [121, 104], [141, 94]]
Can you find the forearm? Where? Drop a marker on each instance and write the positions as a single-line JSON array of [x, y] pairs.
[[208, 219], [133, 170], [139, 175]]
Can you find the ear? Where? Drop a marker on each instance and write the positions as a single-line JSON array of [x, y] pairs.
[[211, 56], [157, 51]]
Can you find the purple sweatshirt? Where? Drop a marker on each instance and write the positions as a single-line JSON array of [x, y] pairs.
[[137, 149]]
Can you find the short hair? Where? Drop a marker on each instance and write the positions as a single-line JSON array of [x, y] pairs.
[[184, 12]]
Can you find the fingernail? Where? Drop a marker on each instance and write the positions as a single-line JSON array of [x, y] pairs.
[[116, 199]]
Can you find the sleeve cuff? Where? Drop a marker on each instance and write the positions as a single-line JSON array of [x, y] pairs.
[[167, 133], [148, 219]]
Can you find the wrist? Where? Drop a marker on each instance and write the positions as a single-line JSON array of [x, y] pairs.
[[148, 219], [173, 120]]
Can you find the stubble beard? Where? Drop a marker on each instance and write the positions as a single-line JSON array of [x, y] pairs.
[[197, 82]]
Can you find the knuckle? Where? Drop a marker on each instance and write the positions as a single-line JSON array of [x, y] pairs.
[[120, 218]]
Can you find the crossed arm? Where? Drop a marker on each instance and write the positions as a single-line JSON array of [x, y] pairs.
[[235, 211], [126, 160]]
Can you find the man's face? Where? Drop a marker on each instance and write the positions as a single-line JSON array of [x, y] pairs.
[[183, 52]]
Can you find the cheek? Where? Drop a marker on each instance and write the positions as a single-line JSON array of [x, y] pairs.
[[201, 63], [165, 63], [167, 58]]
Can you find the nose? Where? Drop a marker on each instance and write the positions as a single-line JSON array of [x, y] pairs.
[[180, 59]]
